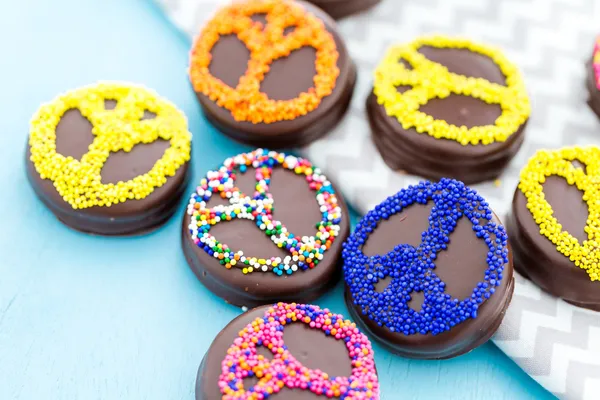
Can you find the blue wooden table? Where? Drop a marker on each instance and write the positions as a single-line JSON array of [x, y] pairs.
[[85, 317]]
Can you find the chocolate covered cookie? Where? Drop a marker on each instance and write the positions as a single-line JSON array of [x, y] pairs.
[[592, 81], [429, 272], [264, 227], [110, 158], [292, 352], [272, 73], [553, 226], [342, 8], [448, 107]]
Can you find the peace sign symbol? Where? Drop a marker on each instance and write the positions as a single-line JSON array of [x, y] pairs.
[[266, 44], [304, 253], [547, 163], [431, 80], [284, 370], [412, 269], [79, 182]]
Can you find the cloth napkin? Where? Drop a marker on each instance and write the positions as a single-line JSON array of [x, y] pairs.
[[550, 40]]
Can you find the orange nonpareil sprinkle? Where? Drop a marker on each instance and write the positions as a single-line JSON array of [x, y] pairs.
[[266, 44]]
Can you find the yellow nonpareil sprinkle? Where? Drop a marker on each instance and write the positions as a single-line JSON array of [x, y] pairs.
[[546, 163], [430, 80], [79, 181]]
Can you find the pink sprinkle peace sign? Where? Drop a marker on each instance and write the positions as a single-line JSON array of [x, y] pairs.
[[285, 371]]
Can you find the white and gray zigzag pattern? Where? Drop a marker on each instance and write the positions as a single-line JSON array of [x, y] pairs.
[[549, 39]]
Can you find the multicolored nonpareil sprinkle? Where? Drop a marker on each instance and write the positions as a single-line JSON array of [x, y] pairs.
[[266, 44], [547, 163], [596, 62], [412, 269], [79, 182], [284, 370], [304, 252], [430, 80]]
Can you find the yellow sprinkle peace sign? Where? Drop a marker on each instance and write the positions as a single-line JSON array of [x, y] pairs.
[[547, 163], [431, 80], [79, 181]]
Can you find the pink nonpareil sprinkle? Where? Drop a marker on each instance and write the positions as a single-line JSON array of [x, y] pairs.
[[596, 62], [284, 369]]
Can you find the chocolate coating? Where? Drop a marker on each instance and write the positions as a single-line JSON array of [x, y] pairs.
[[593, 92], [287, 78], [423, 155], [461, 266], [339, 9], [296, 207], [131, 217], [536, 256], [312, 348]]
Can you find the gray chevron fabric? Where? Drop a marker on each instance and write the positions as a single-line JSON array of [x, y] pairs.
[[549, 39]]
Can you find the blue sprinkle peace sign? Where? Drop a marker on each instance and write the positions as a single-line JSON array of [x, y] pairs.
[[412, 269]]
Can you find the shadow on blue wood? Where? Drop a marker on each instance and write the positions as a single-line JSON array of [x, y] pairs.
[[85, 317]]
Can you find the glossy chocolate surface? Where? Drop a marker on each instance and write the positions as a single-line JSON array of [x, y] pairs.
[[339, 9], [537, 258], [287, 78], [593, 92], [423, 155], [297, 208], [461, 266], [73, 136], [311, 347]]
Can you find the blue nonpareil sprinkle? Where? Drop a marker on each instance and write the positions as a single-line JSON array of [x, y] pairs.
[[412, 269]]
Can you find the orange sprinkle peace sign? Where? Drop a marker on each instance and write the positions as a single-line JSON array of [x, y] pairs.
[[266, 44]]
